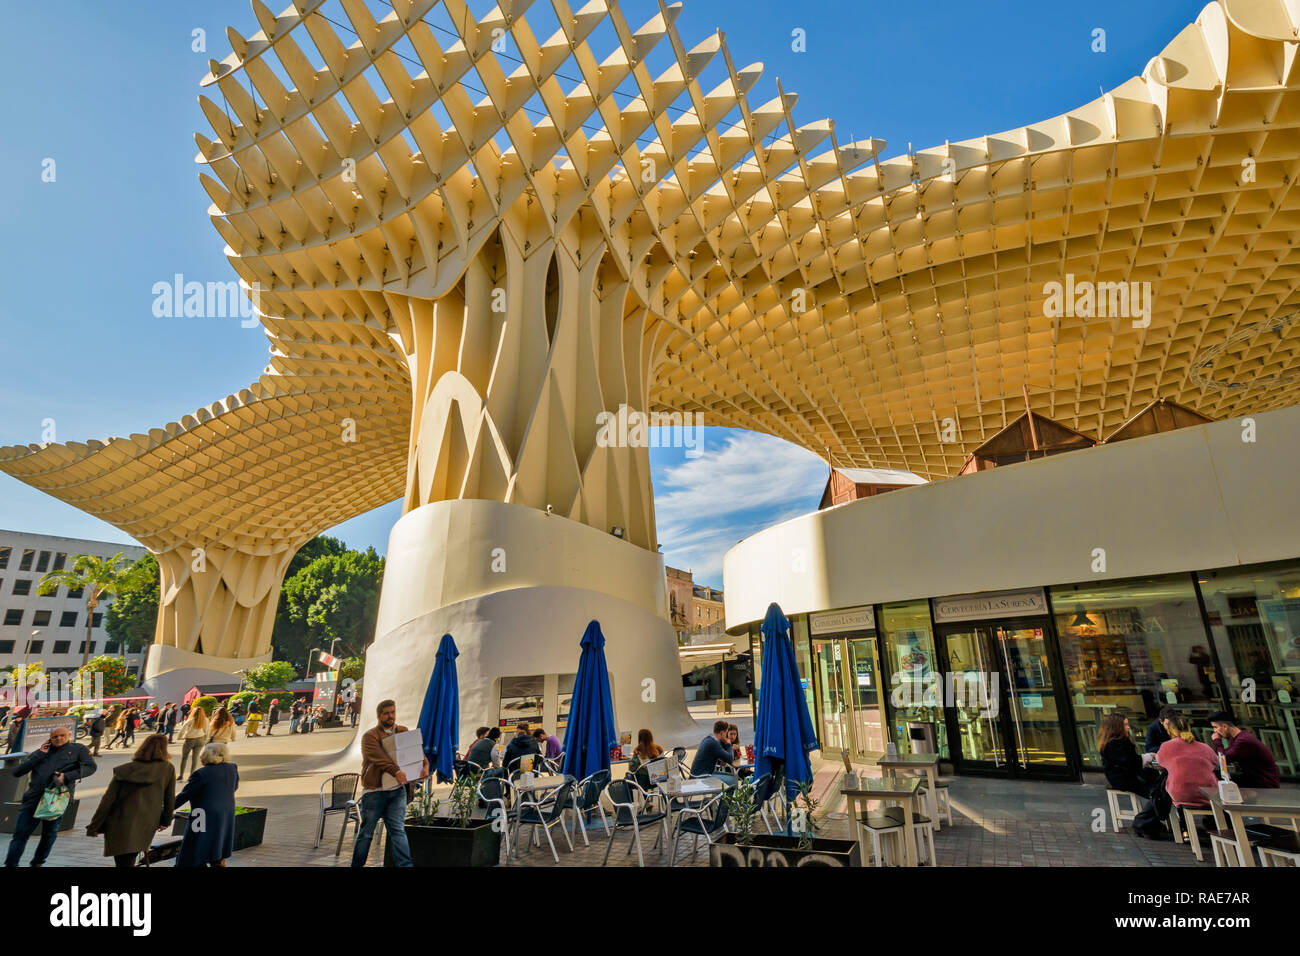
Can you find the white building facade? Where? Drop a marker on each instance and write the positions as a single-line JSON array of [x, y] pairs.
[[52, 628]]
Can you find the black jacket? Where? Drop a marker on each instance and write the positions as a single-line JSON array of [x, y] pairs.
[[170, 720], [519, 747], [97, 726], [72, 760], [1123, 767], [1156, 735]]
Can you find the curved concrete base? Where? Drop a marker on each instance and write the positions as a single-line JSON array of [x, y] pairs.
[[171, 671], [516, 589]]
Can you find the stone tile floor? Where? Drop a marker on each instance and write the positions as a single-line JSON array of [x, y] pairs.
[[997, 822]]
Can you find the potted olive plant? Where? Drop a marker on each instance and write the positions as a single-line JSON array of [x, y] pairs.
[[454, 837], [744, 847]]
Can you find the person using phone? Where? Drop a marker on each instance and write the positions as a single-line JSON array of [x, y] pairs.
[[60, 761]]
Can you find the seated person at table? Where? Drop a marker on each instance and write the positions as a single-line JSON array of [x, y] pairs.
[[737, 751], [548, 743], [1120, 762], [1255, 766], [1191, 764], [483, 751], [646, 750], [523, 745], [714, 749], [1156, 733]]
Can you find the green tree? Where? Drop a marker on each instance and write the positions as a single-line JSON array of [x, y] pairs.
[[133, 616], [96, 577], [318, 547], [23, 679], [335, 596], [116, 679], [352, 667], [209, 704], [273, 675]]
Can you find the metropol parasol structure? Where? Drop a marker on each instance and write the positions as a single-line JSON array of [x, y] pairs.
[[468, 237]]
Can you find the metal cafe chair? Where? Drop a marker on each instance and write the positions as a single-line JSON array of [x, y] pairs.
[[343, 799], [628, 801], [545, 814], [586, 797], [494, 793], [707, 820]]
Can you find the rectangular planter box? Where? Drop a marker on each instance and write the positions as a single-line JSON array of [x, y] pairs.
[[250, 827], [9, 816], [768, 850], [477, 845]]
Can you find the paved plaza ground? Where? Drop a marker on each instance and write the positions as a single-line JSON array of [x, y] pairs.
[[996, 822]]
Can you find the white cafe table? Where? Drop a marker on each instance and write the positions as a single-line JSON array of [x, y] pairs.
[[1254, 803], [926, 762], [900, 790]]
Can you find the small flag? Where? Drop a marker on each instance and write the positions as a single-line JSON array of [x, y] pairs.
[[327, 660]]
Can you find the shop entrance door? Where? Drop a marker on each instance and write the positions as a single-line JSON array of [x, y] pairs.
[[1002, 701], [848, 687]]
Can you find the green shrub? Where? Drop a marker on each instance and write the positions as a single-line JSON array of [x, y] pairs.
[[209, 704]]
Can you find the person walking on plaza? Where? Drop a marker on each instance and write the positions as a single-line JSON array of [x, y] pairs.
[[254, 718], [194, 737], [138, 802], [96, 733], [354, 710], [223, 727], [210, 792], [186, 707], [132, 721], [383, 786], [15, 728], [295, 715], [272, 715], [170, 720], [119, 729], [60, 762], [1253, 763]]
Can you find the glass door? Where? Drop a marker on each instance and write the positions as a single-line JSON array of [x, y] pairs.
[[832, 665], [1001, 694], [864, 693]]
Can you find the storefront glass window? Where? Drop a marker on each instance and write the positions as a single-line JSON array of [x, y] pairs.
[[803, 657], [1254, 615], [909, 658], [1134, 646]]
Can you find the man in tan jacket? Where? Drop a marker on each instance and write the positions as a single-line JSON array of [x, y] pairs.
[[382, 797]]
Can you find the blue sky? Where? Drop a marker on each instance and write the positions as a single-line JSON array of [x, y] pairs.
[[108, 91]]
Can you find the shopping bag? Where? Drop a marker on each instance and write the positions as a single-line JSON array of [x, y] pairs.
[[54, 803]]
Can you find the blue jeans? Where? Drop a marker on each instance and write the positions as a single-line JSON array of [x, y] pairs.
[[25, 825], [391, 806], [293, 724]]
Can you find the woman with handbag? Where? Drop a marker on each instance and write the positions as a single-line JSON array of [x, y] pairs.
[[223, 728], [138, 802], [55, 768]]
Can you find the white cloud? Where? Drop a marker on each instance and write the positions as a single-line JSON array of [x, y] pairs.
[[739, 486]]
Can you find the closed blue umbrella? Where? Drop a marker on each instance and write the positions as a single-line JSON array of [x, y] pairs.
[[440, 715], [783, 729], [590, 734]]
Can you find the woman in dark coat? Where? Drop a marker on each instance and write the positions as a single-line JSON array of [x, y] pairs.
[[210, 792], [138, 802], [1119, 758]]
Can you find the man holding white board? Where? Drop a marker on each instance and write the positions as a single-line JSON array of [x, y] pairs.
[[390, 756]]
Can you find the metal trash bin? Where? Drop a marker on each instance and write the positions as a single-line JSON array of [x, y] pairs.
[[922, 737]]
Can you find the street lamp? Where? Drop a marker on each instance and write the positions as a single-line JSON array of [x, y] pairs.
[[26, 652]]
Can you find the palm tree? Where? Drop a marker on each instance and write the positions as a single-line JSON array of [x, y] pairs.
[[97, 578]]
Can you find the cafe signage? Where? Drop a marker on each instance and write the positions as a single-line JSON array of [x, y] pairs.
[[852, 619], [993, 604]]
